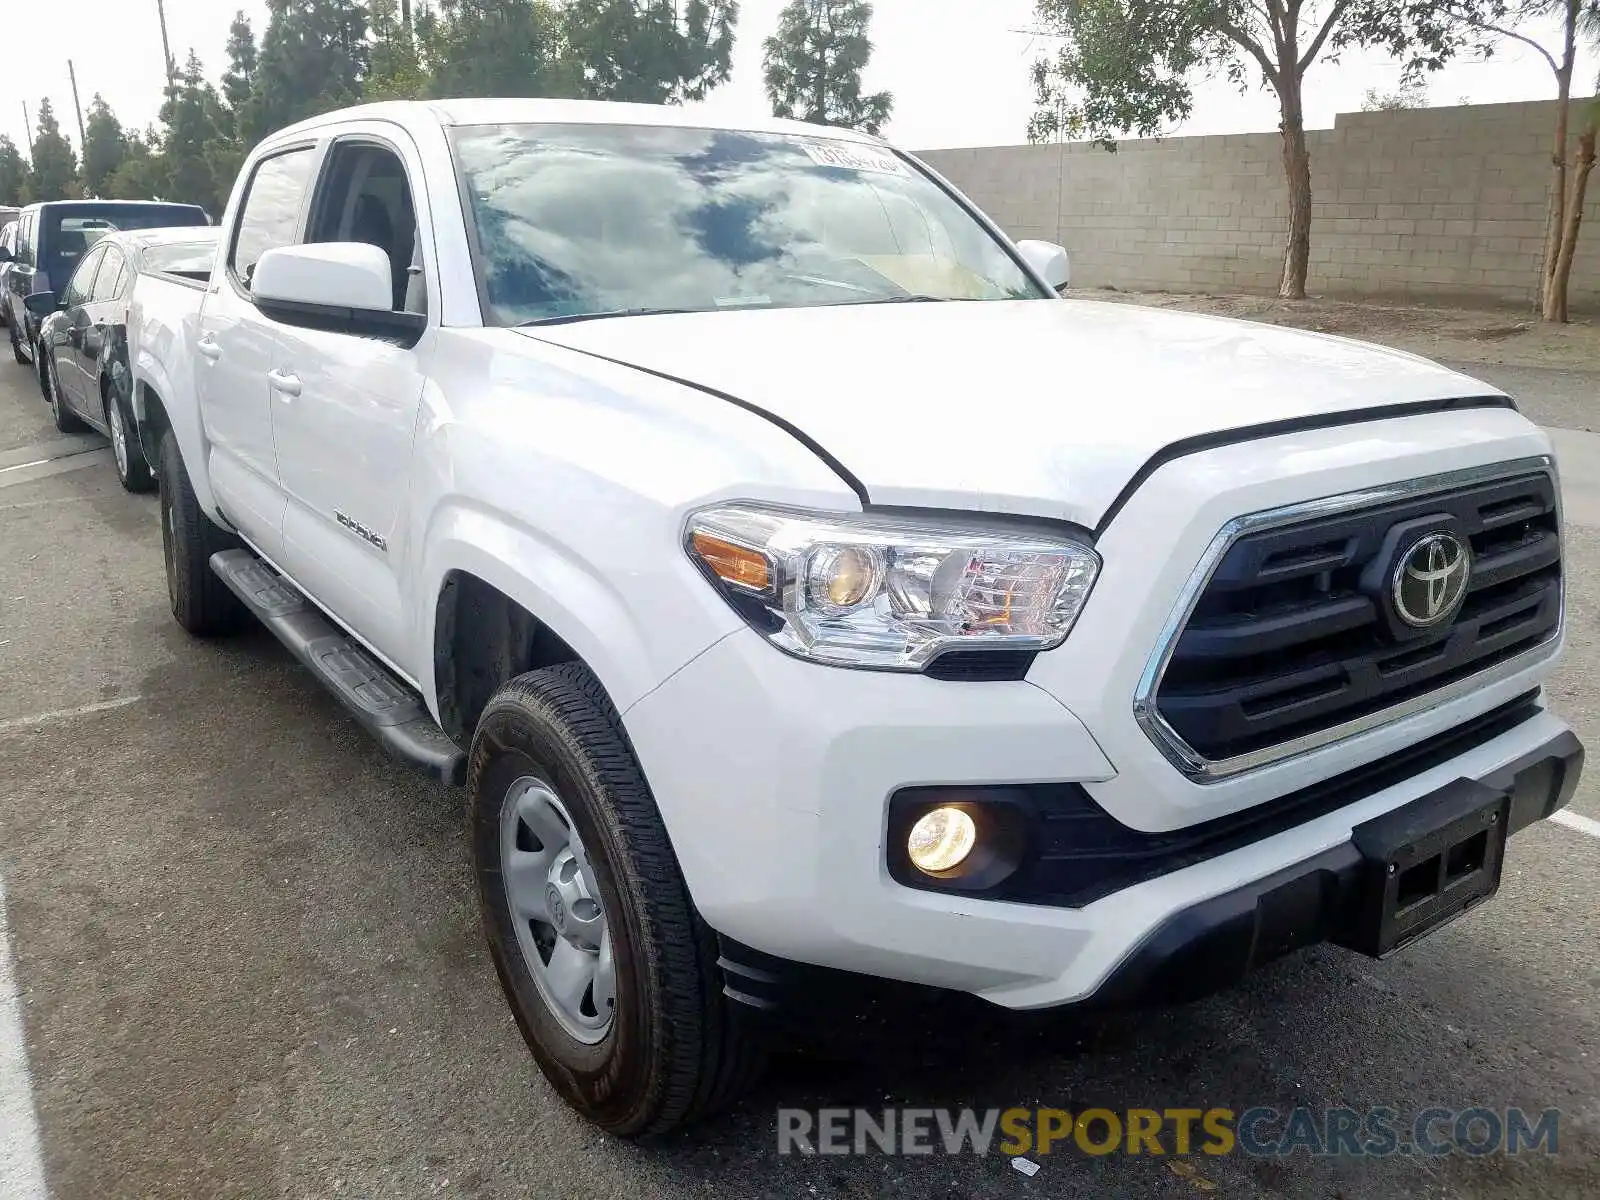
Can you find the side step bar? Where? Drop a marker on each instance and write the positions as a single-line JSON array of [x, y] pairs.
[[388, 709]]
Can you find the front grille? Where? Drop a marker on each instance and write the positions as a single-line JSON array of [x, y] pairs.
[[1292, 635]]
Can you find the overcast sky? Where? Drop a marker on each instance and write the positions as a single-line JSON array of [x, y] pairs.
[[959, 79]]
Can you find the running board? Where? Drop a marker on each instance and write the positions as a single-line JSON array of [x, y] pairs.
[[387, 708]]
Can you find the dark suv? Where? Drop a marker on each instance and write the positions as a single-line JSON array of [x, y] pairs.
[[51, 239]]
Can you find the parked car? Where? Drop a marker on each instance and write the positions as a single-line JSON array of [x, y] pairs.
[[800, 585], [52, 239], [85, 371], [8, 251]]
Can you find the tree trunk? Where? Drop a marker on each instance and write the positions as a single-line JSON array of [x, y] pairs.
[[1556, 221], [1297, 173], [1555, 298]]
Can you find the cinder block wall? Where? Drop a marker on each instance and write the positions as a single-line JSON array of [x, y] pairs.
[[1444, 203]]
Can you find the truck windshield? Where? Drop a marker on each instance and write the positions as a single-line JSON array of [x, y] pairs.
[[599, 220]]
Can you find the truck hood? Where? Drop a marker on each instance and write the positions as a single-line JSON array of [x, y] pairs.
[[1030, 407]]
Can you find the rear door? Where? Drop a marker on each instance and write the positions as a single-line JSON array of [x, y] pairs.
[[238, 346], [19, 280]]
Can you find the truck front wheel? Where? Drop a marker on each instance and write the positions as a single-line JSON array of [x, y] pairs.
[[201, 602], [611, 973]]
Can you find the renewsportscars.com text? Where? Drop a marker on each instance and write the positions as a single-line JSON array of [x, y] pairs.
[[1260, 1132]]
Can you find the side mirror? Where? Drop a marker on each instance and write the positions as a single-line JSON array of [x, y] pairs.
[[343, 287], [1049, 261], [42, 304]]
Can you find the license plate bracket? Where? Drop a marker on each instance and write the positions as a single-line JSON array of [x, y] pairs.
[[1425, 864]]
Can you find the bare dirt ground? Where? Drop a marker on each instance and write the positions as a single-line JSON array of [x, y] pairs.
[[1494, 336]]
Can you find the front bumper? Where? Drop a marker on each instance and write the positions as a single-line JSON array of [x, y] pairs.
[[774, 776]]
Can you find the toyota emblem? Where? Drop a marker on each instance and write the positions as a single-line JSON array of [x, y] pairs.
[[1430, 580]]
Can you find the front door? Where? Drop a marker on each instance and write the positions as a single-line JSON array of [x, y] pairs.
[[66, 351], [100, 313], [238, 348], [345, 410]]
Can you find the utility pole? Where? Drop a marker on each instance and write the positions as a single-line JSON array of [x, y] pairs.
[[27, 129], [166, 47], [77, 105], [405, 14]]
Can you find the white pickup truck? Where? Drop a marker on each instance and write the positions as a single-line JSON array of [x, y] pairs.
[[801, 587]]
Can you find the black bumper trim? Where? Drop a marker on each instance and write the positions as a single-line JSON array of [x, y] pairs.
[[1212, 945]]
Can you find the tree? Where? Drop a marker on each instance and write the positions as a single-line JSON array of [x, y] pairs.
[[13, 173], [651, 51], [191, 114], [493, 48], [1129, 66], [104, 146], [243, 63], [143, 173], [812, 65], [313, 59], [1406, 96], [395, 71], [1571, 159], [55, 166]]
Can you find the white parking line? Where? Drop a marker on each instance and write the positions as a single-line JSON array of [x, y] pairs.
[[21, 1172], [62, 714], [1573, 820]]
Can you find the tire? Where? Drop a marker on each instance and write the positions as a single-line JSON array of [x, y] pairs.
[[200, 601], [675, 1049], [133, 471], [51, 383], [16, 344]]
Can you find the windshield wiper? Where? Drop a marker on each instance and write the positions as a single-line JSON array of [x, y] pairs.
[[909, 298], [571, 318]]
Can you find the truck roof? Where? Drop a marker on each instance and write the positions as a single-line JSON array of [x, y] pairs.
[[522, 111]]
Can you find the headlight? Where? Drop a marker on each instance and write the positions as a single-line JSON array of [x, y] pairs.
[[863, 590]]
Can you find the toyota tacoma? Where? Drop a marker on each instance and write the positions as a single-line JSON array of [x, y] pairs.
[[798, 582]]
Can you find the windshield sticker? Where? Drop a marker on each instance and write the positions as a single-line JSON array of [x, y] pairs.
[[850, 157]]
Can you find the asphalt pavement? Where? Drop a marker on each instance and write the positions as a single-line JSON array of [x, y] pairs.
[[245, 958]]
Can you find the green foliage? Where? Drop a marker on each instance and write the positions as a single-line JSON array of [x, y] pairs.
[[313, 59], [13, 173], [1129, 66], [651, 51], [813, 64], [1406, 96], [243, 62], [55, 166], [193, 116], [104, 146], [494, 48], [395, 70], [143, 173]]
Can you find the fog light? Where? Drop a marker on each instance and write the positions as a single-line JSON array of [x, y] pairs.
[[941, 839]]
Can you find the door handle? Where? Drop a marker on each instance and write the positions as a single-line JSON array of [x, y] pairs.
[[286, 382], [208, 348]]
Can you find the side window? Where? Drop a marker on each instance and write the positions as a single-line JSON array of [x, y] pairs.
[[113, 269], [81, 286], [271, 212], [25, 239], [366, 197]]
